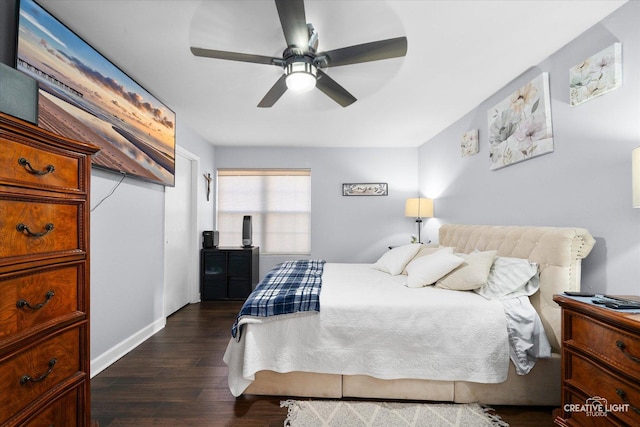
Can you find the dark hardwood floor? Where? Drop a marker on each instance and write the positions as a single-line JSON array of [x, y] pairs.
[[178, 378]]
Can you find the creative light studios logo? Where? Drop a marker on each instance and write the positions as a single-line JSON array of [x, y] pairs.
[[596, 407]]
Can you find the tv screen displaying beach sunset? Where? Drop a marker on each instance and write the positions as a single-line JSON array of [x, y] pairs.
[[85, 97]]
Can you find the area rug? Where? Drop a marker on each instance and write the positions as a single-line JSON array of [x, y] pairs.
[[330, 413]]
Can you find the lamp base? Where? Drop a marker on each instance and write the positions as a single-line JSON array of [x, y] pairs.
[[419, 222]]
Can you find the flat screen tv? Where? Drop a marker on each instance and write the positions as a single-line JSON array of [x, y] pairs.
[[85, 97]]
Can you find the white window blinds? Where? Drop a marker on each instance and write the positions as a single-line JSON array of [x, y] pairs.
[[279, 202]]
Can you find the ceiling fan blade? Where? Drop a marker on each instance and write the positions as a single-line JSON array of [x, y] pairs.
[[276, 91], [235, 56], [366, 52], [294, 23], [333, 90]]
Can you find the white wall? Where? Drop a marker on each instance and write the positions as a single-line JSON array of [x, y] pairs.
[[585, 182], [343, 228], [127, 255]]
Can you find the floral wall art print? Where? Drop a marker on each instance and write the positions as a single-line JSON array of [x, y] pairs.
[[520, 125], [469, 143], [596, 75]]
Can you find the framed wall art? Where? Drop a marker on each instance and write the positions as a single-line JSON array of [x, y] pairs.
[[365, 189], [85, 97], [596, 75], [520, 125], [469, 143]]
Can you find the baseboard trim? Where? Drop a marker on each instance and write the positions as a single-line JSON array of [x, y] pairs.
[[110, 356]]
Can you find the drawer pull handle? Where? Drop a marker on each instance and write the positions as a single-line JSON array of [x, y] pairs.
[[24, 229], [27, 378], [25, 163], [623, 349], [24, 303], [624, 398]]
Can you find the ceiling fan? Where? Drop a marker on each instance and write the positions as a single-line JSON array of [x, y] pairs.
[[302, 63]]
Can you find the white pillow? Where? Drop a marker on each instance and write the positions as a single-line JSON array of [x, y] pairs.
[[428, 250], [472, 274], [511, 277], [428, 269], [394, 260]]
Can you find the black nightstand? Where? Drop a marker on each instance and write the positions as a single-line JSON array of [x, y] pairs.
[[228, 272]]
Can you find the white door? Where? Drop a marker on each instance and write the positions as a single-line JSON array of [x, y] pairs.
[[181, 255]]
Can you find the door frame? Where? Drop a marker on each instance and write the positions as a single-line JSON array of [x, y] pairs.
[[194, 243]]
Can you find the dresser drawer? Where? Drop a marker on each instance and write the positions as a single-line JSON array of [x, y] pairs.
[[38, 167], [592, 379], [36, 227], [38, 298], [62, 413], [611, 345], [29, 374]]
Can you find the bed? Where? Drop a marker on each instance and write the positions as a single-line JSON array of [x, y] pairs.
[[346, 349]]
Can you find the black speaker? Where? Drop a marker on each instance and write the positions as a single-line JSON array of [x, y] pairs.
[[209, 239], [18, 94], [246, 231]]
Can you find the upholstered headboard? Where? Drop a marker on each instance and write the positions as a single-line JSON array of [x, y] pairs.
[[558, 251]]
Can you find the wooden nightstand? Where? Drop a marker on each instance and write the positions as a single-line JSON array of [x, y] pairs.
[[600, 365]]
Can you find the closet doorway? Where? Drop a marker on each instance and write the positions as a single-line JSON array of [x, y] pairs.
[[180, 231]]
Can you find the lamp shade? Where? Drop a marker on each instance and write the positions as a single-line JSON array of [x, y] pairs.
[[419, 208], [635, 176]]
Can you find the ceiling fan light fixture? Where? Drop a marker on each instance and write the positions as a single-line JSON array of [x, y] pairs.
[[301, 76]]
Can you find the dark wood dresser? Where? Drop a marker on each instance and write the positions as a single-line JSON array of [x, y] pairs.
[[44, 277], [600, 365]]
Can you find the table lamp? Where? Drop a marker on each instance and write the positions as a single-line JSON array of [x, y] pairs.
[[419, 208]]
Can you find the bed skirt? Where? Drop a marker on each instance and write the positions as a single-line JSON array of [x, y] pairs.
[[540, 387]]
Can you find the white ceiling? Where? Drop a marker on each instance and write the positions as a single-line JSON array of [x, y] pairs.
[[460, 53]]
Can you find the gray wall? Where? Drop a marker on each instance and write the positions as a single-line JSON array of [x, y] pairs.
[[343, 228], [585, 182], [127, 253], [126, 259]]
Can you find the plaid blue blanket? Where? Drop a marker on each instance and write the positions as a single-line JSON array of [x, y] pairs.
[[289, 287]]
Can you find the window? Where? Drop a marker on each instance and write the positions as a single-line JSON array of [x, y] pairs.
[[279, 202]]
